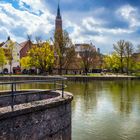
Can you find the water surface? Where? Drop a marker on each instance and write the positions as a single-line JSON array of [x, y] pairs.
[[102, 110], [105, 110]]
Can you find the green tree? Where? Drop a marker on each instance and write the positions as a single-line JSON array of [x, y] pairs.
[[2, 58], [25, 62], [40, 56], [111, 62], [136, 66]]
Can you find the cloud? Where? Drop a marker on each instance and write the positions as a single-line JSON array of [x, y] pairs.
[[85, 22], [32, 5], [92, 29], [130, 14], [22, 22], [122, 23], [3, 32]]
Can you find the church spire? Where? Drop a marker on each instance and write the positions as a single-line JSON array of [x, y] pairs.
[[58, 11], [58, 25]]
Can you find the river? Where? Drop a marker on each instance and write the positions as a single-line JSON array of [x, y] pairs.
[[105, 110]]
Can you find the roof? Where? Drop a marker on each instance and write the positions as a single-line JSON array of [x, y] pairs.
[[78, 49], [4, 44], [25, 43], [1, 44]]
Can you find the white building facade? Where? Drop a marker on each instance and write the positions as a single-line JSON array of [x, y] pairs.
[[15, 60]]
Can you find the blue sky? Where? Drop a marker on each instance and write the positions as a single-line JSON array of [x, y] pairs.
[[102, 22]]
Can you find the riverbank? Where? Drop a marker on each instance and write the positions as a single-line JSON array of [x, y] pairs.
[[105, 77], [69, 78]]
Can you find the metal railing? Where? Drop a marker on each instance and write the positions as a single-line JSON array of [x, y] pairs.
[[57, 84]]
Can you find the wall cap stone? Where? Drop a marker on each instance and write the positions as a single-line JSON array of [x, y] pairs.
[[21, 109]]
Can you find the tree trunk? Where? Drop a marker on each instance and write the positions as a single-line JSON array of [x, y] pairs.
[[10, 68], [121, 65], [60, 66]]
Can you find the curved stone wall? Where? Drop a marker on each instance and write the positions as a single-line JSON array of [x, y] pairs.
[[45, 119], [24, 97], [22, 78]]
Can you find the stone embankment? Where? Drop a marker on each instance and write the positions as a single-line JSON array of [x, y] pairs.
[[103, 78], [36, 117], [69, 78]]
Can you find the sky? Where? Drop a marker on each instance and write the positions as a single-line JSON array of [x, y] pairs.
[[101, 22]]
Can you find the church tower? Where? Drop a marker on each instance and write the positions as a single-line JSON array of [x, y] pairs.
[[58, 27]]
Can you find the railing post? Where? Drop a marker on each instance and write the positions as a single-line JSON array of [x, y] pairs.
[[54, 84], [62, 88], [12, 92], [15, 87]]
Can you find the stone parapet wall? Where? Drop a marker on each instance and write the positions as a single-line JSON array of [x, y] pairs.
[[24, 96], [38, 120], [22, 78]]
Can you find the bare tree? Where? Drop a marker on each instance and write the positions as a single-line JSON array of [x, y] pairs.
[[128, 55], [87, 54], [119, 48], [70, 57], [65, 50], [138, 48]]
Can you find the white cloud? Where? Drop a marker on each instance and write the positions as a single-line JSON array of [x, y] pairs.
[[96, 25], [3, 31], [35, 5], [12, 18], [130, 14], [96, 29], [34, 17], [89, 23], [89, 28]]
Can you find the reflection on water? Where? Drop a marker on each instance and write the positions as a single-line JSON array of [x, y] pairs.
[[106, 110], [102, 110]]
